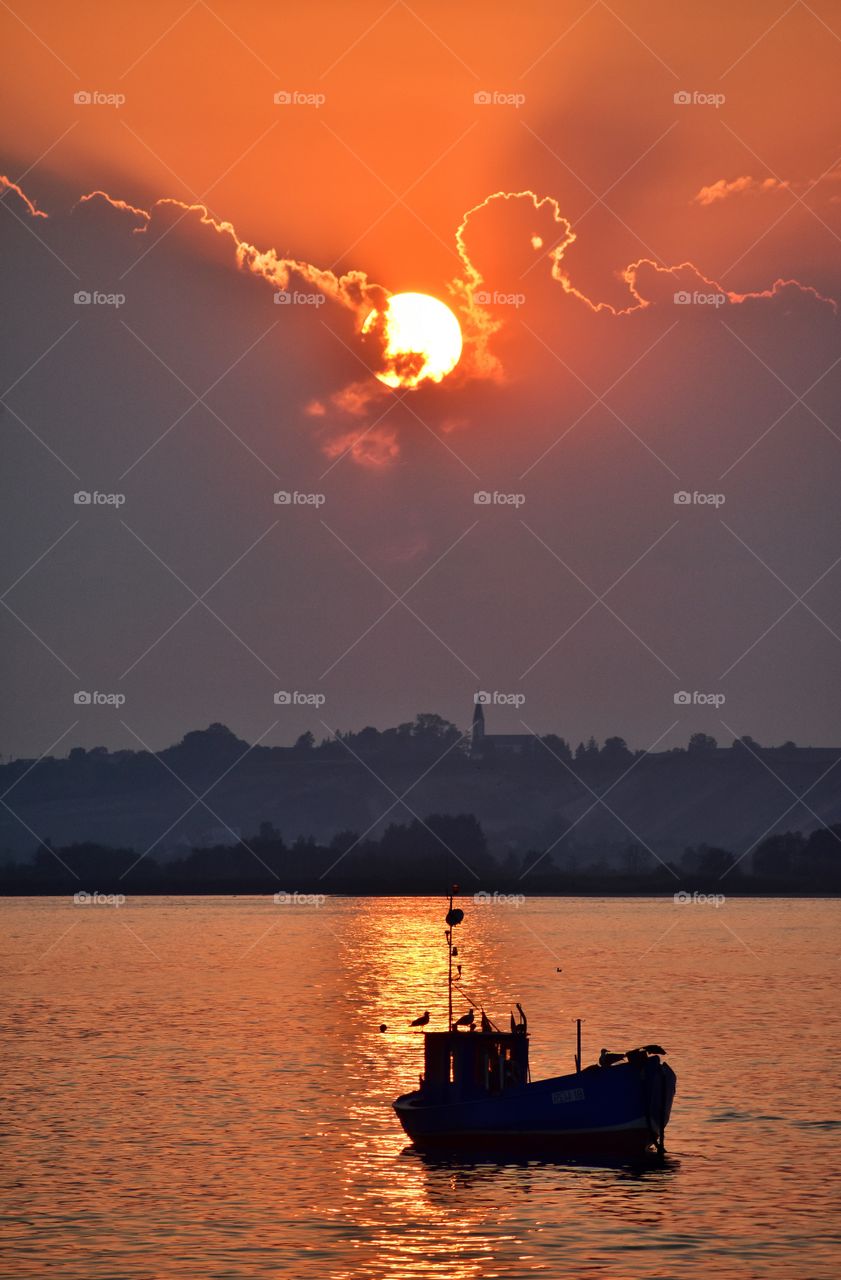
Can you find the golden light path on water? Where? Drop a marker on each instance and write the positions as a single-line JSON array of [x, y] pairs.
[[199, 1088]]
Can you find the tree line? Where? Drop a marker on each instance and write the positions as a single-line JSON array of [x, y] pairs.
[[422, 855]]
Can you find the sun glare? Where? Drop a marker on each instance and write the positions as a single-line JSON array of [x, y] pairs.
[[422, 339]]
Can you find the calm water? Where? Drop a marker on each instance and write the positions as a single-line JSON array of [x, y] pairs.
[[198, 1088]]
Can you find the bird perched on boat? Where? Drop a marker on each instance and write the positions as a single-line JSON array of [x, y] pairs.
[[653, 1048], [607, 1059], [422, 1020], [519, 1026], [466, 1020]]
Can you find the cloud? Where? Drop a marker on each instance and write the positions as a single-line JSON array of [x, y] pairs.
[[176, 222], [522, 223], [655, 285], [101, 202], [353, 291], [28, 206], [375, 447], [500, 242], [353, 400], [479, 324], [789, 293], [724, 188], [538, 221]]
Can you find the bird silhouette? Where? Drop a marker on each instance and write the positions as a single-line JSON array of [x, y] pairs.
[[422, 1020], [466, 1020], [609, 1059], [653, 1048]]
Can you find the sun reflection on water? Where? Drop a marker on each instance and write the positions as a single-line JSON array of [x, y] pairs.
[[200, 1088]]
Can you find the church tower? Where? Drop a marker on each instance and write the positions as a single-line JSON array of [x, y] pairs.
[[478, 732]]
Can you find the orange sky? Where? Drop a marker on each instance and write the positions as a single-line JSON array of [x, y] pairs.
[[399, 81]]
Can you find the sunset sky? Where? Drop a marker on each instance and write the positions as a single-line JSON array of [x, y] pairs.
[[634, 212]]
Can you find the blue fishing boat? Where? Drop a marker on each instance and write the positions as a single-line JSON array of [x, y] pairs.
[[476, 1090]]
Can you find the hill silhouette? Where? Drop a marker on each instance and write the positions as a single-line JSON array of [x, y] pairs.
[[590, 804]]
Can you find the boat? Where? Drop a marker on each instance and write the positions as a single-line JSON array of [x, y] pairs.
[[476, 1092]]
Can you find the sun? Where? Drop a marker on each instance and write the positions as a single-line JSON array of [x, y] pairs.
[[421, 336]]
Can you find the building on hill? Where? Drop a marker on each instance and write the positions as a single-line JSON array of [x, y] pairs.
[[484, 745]]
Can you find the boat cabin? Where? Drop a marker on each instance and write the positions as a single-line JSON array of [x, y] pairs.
[[460, 1065]]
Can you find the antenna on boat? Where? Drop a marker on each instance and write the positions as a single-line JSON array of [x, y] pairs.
[[454, 916], [577, 1044], [450, 970]]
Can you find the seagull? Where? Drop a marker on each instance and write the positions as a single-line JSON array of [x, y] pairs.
[[609, 1059], [422, 1020], [465, 1021]]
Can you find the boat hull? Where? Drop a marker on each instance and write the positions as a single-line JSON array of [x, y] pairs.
[[621, 1110]]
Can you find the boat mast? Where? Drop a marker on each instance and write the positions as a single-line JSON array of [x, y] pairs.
[[454, 916], [450, 964]]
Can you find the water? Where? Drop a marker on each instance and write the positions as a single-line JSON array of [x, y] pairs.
[[199, 1088]]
